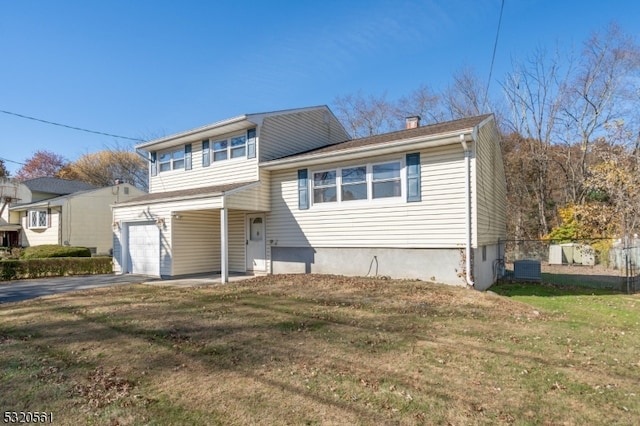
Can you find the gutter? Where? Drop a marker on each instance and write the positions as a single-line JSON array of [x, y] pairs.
[[303, 160], [469, 218]]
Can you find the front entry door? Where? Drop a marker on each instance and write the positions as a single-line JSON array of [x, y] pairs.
[[256, 243]]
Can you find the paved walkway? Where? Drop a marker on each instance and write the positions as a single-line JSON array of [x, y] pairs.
[[15, 291]]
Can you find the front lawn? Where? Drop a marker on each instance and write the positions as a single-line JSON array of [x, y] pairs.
[[308, 349]]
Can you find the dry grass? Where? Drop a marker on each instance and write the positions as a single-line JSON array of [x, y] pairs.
[[320, 350]]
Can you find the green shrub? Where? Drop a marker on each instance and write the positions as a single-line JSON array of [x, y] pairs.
[[51, 250], [9, 269], [54, 267]]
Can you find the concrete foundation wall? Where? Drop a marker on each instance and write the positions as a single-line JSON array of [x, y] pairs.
[[438, 265], [485, 267]]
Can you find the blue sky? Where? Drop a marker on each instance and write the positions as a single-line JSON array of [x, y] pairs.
[[148, 68]]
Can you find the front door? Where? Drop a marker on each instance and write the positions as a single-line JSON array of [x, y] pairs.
[[256, 243]]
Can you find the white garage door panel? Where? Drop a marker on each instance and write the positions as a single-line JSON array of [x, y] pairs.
[[144, 249]]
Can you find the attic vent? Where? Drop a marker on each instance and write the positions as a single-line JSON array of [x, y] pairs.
[[413, 122]]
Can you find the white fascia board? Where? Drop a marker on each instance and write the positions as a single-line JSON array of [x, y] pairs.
[[220, 127], [38, 205], [369, 150], [183, 197], [240, 122]]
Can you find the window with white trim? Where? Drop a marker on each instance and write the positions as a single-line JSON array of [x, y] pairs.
[[358, 183], [171, 160], [220, 150], [354, 183], [233, 147], [386, 180], [324, 187], [37, 219], [238, 146]]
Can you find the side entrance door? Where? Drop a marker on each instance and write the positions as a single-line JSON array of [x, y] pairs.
[[256, 243]]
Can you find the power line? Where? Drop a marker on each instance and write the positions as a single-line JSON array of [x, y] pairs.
[[11, 161], [493, 57], [70, 127]]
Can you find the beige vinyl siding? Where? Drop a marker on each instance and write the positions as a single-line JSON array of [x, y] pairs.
[[38, 236], [292, 133], [438, 221], [87, 220], [256, 198], [195, 239], [490, 220], [217, 173], [237, 241], [197, 246]]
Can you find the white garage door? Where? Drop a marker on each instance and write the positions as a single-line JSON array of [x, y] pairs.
[[144, 249]]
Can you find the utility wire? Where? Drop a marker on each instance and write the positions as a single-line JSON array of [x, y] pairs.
[[11, 161], [493, 58], [71, 127]]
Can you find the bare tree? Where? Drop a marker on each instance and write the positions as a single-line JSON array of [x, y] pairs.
[[535, 94], [365, 116], [464, 97], [423, 102], [599, 92]]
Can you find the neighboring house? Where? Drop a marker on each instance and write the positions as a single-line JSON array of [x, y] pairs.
[[72, 213], [11, 193], [290, 192]]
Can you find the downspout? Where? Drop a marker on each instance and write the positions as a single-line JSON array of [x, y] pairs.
[[467, 193]]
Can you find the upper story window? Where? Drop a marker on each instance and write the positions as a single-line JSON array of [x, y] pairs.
[[233, 147], [363, 182], [172, 160], [37, 219]]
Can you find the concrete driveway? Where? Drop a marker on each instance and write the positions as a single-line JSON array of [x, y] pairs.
[[15, 291]]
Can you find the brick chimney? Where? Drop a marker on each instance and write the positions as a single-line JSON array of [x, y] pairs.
[[412, 122]]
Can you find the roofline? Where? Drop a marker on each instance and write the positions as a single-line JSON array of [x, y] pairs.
[[188, 197], [60, 199], [37, 204], [191, 132], [252, 119], [381, 148]]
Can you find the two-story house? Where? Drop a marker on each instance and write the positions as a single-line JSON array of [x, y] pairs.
[[291, 192]]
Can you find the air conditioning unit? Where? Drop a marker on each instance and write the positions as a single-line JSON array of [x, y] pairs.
[[527, 270]]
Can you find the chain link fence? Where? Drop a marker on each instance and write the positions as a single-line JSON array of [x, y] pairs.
[[594, 263]]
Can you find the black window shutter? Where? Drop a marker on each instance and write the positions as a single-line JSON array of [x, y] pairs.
[[206, 155], [413, 177], [251, 143], [48, 218], [154, 164], [303, 190], [187, 156]]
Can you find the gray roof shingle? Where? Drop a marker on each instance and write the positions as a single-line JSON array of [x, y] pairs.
[[57, 186]]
